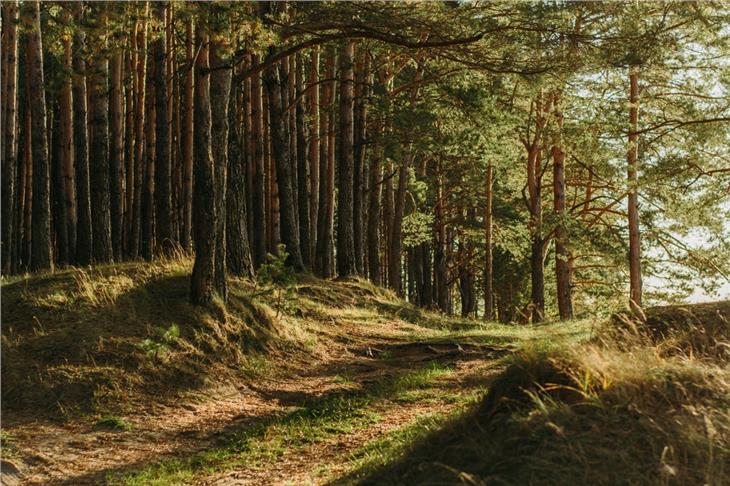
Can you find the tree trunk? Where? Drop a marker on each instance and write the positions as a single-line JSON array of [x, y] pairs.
[[81, 144], [116, 154], [238, 251], [259, 171], [147, 208], [441, 285], [345, 229], [220, 84], [187, 145], [9, 130], [99, 154], [633, 183], [163, 173], [139, 130], [204, 216], [360, 132], [67, 145], [488, 269], [314, 142], [373, 233], [562, 253], [58, 190], [130, 144], [325, 219], [276, 82], [302, 168], [41, 252]]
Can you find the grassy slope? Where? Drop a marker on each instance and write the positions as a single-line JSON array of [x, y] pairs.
[[646, 405], [642, 406]]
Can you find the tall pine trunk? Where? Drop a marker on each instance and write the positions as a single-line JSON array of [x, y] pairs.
[[163, 173], [41, 252], [187, 144], [9, 131], [260, 228], [562, 253], [488, 260], [81, 143], [116, 154], [633, 183], [302, 166], [66, 135], [204, 215], [345, 229], [275, 80], [314, 142], [325, 218], [220, 84]]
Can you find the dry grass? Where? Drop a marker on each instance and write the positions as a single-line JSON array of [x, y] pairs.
[[624, 409]]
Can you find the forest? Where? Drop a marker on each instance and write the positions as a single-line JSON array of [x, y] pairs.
[[374, 205]]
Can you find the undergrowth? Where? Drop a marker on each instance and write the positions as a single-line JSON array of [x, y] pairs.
[[629, 407]]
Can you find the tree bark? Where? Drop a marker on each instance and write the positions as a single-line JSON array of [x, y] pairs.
[[139, 130], [325, 218], [373, 233], [67, 144], [562, 253], [276, 82], [41, 252], [360, 133], [204, 216], [488, 261], [187, 145], [58, 190], [81, 144], [238, 250], [633, 197], [220, 84], [163, 172], [259, 171], [345, 229], [9, 131], [302, 167], [116, 154], [314, 142], [147, 207]]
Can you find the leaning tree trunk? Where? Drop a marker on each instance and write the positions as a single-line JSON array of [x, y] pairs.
[[345, 229], [40, 258], [633, 183], [204, 216]]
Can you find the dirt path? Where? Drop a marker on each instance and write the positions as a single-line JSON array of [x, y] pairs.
[[81, 452]]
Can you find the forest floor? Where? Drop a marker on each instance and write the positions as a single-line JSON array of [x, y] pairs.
[[344, 382]]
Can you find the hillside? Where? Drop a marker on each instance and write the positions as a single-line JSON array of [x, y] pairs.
[[110, 375]]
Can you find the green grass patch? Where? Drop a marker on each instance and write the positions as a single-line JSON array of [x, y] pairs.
[[267, 441]]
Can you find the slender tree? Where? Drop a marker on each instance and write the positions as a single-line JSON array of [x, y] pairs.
[[633, 183], [41, 257], [345, 230], [81, 142], [204, 215], [9, 130]]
